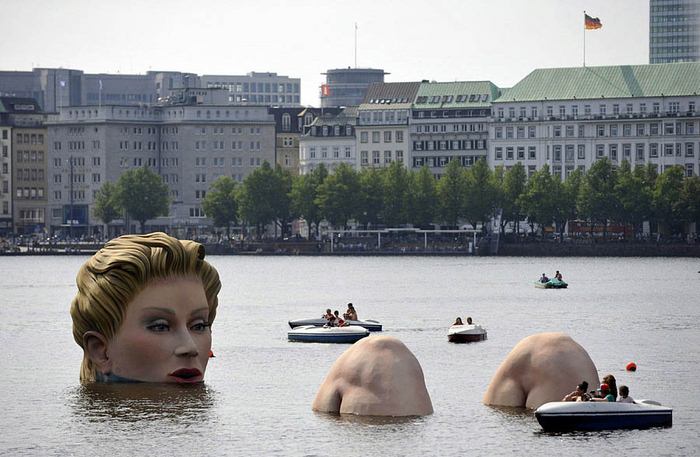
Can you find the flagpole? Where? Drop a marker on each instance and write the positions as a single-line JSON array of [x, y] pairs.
[[584, 38], [355, 44]]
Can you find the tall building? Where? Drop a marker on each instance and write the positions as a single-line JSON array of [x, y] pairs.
[[568, 118], [55, 88], [674, 31], [348, 86]]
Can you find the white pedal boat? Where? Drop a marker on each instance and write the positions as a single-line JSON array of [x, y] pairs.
[[313, 334], [562, 416], [369, 324], [468, 333]]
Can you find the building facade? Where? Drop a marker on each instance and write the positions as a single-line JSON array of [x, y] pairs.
[[288, 128], [258, 88], [5, 179], [449, 121], [329, 140], [567, 118], [674, 31], [188, 145], [382, 131], [348, 86]]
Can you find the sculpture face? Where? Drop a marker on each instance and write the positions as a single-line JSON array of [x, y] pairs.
[[377, 376], [165, 335], [540, 368]]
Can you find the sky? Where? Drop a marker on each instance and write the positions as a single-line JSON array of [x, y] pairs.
[[443, 40]]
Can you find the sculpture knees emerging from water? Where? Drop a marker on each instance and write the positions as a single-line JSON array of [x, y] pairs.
[[540, 368], [144, 309], [377, 376]]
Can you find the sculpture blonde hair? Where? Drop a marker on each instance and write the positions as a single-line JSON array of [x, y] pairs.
[[112, 278]]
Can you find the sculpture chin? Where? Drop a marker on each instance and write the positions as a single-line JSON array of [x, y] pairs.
[[377, 376]]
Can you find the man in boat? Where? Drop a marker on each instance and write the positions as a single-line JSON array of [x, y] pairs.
[[350, 314], [330, 317], [558, 275], [544, 278], [580, 394], [469, 321]]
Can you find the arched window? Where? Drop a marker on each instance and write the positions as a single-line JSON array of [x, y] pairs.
[[308, 118], [286, 122]]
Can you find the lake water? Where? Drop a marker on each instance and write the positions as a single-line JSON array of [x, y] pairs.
[[259, 388]]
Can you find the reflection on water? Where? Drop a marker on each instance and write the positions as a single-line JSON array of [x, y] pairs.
[[387, 421], [132, 402]]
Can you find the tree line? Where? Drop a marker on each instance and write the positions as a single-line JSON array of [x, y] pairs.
[[395, 196]]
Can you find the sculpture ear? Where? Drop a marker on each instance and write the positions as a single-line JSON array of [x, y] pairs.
[[95, 346]]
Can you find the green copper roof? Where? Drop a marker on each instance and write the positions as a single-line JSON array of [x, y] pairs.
[[620, 81], [462, 94]]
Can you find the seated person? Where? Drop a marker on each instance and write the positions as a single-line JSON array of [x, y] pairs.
[[458, 321], [625, 395], [579, 394], [558, 275], [328, 315], [351, 314], [612, 384], [132, 291], [338, 319], [377, 376], [540, 368], [604, 394], [544, 278], [469, 321]]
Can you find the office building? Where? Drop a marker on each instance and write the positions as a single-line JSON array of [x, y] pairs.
[[258, 88], [348, 86], [674, 31]]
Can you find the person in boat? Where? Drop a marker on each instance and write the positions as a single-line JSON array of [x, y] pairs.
[[544, 278], [469, 321], [539, 369], [579, 394], [625, 395], [558, 276], [339, 320], [458, 321], [144, 309], [612, 384], [329, 316], [604, 394], [350, 314]]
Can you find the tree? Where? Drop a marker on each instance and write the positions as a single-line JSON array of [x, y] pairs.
[[537, 202], [396, 195], [566, 197], [143, 195], [371, 204], [303, 196], [337, 196], [451, 193], [597, 201], [257, 198], [107, 204], [667, 199], [481, 194], [220, 203], [633, 196], [423, 197], [513, 186], [282, 187], [690, 201]]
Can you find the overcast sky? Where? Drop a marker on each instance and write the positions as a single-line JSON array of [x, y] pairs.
[[443, 40]]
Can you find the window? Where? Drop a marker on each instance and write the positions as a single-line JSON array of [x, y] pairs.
[[689, 150], [509, 153], [653, 150], [364, 137], [612, 151], [387, 136], [387, 156], [532, 152], [521, 153], [569, 153], [639, 147], [599, 151], [569, 131], [375, 137], [600, 130], [499, 153], [581, 151], [557, 153], [654, 128], [364, 157], [375, 157], [531, 132], [626, 152], [626, 129], [613, 129], [399, 136]]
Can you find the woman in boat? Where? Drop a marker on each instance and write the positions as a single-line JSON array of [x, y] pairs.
[[340, 322], [469, 321], [350, 314], [144, 309], [458, 321], [579, 394], [612, 384]]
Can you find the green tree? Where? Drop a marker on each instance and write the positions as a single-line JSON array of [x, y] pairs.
[[256, 198], [451, 193], [220, 203], [514, 182], [566, 197], [371, 204], [537, 200], [481, 194], [143, 195], [690, 201], [667, 199], [633, 196], [423, 197], [396, 195], [337, 196], [107, 204], [303, 196], [282, 187], [597, 200]]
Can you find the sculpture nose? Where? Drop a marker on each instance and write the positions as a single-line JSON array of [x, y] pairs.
[[186, 346]]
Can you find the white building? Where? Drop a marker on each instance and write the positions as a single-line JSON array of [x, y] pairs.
[[329, 140], [570, 117]]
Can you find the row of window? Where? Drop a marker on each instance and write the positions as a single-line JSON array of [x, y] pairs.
[[30, 192], [613, 151], [442, 161], [335, 150], [376, 136], [563, 110], [444, 128], [35, 215], [449, 145], [257, 87], [383, 117], [26, 174], [601, 130], [30, 156], [26, 138], [377, 157]]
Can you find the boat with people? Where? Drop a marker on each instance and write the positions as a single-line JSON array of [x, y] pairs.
[[563, 416], [314, 334], [467, 333], [369, 324], [553, 283]]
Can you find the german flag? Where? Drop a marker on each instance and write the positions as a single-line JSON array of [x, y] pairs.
[[592, 23]]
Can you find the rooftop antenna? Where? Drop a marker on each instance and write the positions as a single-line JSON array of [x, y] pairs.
[[355, 44]]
